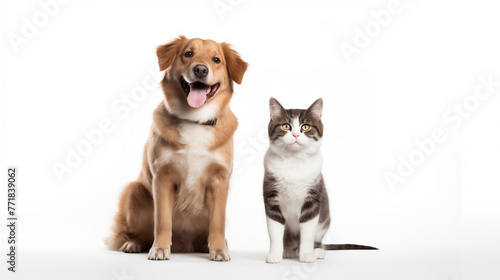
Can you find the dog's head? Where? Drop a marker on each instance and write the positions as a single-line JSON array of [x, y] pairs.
[[199, 76]]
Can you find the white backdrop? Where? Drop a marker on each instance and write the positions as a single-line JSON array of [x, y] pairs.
[[411, 91]]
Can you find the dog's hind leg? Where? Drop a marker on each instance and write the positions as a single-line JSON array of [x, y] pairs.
[[133, 227]]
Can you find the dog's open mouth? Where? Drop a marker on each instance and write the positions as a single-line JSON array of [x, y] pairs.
[[197, 92]]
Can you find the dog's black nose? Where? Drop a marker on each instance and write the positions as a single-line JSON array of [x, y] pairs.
[[200, 70]]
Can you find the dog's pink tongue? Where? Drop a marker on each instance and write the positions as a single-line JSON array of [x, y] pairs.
[[197, 97]]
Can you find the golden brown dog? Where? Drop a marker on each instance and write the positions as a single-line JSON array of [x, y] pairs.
[[178, 202]]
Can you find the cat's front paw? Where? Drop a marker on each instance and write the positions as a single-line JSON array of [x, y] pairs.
[[319, 253], [307, 258], [274, 258]]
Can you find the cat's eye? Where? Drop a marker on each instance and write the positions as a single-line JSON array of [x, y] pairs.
[[188, 54], [286, 126], [305, 127]]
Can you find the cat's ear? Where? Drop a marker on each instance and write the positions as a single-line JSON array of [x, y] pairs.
[[275, 108], [316, 109]]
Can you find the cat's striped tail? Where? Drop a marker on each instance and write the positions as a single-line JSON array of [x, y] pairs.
[[347, 247]]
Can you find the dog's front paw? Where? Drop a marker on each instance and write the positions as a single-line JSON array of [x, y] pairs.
[[219, 255], [158, 254], [274, 258], [307, 258]]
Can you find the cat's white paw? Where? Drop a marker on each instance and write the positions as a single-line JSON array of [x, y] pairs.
[[319, 253], [307, 258], [274, 258], [159, 254]]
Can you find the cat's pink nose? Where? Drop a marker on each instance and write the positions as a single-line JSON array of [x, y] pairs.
[[296, 135]]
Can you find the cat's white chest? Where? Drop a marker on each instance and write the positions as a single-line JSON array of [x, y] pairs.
[[294, 171], [294, 177]]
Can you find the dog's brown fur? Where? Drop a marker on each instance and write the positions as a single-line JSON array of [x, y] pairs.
[[168, 209]]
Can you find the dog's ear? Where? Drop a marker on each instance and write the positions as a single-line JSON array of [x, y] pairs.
[[166, 53], [235, 65]]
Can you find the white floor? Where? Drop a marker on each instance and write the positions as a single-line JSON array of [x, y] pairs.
[[102, 264]]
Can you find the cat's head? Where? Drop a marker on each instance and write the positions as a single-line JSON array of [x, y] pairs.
[[296, 130]]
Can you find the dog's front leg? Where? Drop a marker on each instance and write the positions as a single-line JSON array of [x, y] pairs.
[[216, 202], [163, 196]]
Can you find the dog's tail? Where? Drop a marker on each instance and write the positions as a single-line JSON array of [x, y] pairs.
[[347, 247], [115, 242]]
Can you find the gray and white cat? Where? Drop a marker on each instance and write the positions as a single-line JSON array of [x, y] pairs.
[[295, 197]]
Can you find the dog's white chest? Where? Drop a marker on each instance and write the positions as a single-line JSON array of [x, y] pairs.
[[195, 156], [190, 164], [195, 136]]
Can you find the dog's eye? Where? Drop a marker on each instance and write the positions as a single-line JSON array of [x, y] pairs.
[[216, 60], [285, 126], [306, 127], [188, 54]]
